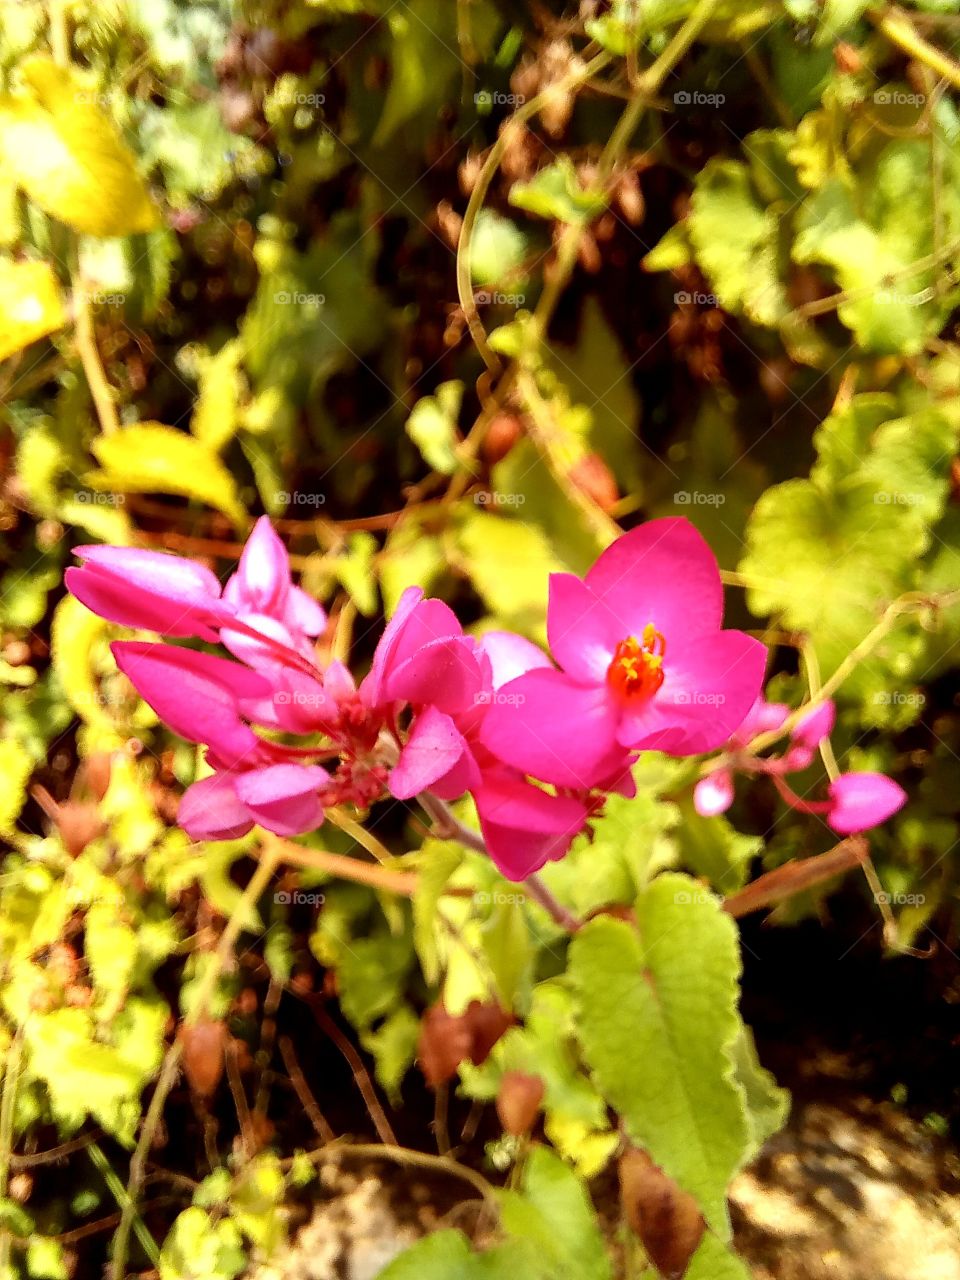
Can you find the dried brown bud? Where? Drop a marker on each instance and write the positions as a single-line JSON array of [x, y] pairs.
[[518, 1101], [94, 773], [630, 198], [203, 1049], [445, 1041], [846, 57], [666, 1218], [487, 1023]]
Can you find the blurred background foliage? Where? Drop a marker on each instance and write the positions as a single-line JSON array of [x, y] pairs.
[[451, 290]]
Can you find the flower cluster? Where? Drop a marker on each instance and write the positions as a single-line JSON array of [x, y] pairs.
[[639, 662], [854, 802]]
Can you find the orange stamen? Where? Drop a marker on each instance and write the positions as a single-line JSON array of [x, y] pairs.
[[636, 672]]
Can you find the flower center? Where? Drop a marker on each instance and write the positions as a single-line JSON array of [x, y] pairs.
[[636, 672]]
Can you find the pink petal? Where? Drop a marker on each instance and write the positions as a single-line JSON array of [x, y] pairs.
[[661, 572], [372, 687], [442, 673], [546, 725], [763, 717], [210, 810], [709, 686], [262, 580], [149, 591], [807, 735], [524, 827], [863, 800], [582, 629], [283, 797], [194, 694], [434, 747], [303, 613], [714, 793], [511, 655]]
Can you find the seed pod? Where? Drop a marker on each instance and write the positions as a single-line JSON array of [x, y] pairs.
[[203, 1049], [518, 1101], [665, 1217], [846, 57], [592, 476], [630, 198]]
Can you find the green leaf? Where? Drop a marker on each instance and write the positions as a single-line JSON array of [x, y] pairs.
[[16, 766], [436, 864], [200, 1247], [149, 457], [410, 557], [509, 562], [767, 1104], [371, 974], [432, 426], [498, 250], [394, 1046], [736, 240], [508, 949], [64, 152], [714, 1261], [439, 1256], [216, 415], [554, 1213], [30, 303], [555, 193], [872, 233], [658, 1019], [713, 849], [354, 568]]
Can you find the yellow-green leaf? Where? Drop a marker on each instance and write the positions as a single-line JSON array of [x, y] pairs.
[[149, 457], [66, 154], [30, 304]]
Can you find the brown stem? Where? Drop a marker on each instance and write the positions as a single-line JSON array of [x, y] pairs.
[[794, 877]]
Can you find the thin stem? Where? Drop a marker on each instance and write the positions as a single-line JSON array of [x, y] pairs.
[[85, 337], [448, 825], [415, 1159], [898, 29], [559, 913], [122, 1197], [269, 860], [11, 1081], [794, 877]]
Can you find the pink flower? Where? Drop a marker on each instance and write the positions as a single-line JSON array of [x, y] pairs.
[[281, 797], [859, 801], [644, 664], [713, 794], [153, 591]]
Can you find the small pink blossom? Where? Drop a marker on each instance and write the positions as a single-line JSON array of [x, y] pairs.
[[859, 801]]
